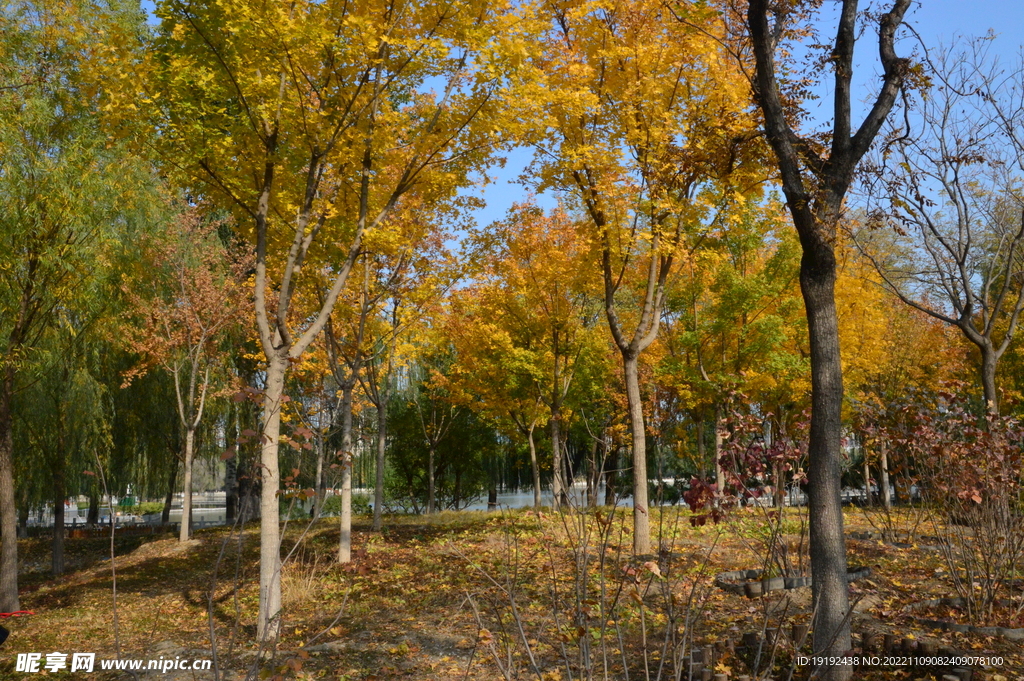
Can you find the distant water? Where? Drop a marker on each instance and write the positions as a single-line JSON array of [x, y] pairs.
[[524, 499]]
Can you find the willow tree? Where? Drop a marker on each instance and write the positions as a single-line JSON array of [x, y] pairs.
[[312, 122], [62, 187], [815, 177], [648, 127]]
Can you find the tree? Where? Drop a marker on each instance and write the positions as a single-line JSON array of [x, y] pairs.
[[61, 187], [537, 286], [491, 376], [435, 410], [816, 177], [345, 357], [312, 122], [647, 124], [890, 352], [64, 415], [951, 180], [193, 294], [732, 324]]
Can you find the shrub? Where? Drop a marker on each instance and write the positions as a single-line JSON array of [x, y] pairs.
[[360, 505]]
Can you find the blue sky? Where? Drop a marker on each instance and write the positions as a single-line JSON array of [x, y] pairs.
[[936, 21]]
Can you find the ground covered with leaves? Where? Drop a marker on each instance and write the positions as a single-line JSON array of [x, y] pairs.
[[478, 595]]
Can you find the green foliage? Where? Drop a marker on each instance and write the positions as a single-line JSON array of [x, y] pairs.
[[70, 202], [461, 459], [147, 507], [360, 505]]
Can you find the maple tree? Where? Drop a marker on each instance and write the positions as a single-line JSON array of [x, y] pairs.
[[537, 288], [402, 278], [648, 126], [491, 376], [345, 356], [311, 123], [192, 296]]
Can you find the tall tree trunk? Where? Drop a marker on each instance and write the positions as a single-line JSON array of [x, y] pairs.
[[611, 465], [268, 622], [702, 454], [231, 489], [883, 483], [93, 516], [345, 536], [430, 480], [318, 499], [534, 467], [231, 467], [867, 479], [780, 473], [8, 509], [827, 542], [165, 516], [719, 440], [815, 190], [641, 519], [592, 478], [378, 487], [59, 496], [989, 359], [185, 531], [557, 482]]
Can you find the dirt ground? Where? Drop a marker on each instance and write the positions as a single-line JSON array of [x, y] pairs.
[[442, 598]]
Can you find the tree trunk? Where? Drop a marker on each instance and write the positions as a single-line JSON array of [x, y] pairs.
[[231, 466], [719, 440], [93, 516], [165, 517], [988, 379], [592, 478], [535, 468], [185, 531], [378, 487], [318, 499], [268, 621], [430, 481], [883, 466], [867, 479], [231, 489], [641, 519], [23, 522], [827, 543], [702, 454], [492, 495], [59, 495], [345, 536], [557, 482], [8, 509], [815, 191], [609, 475]]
